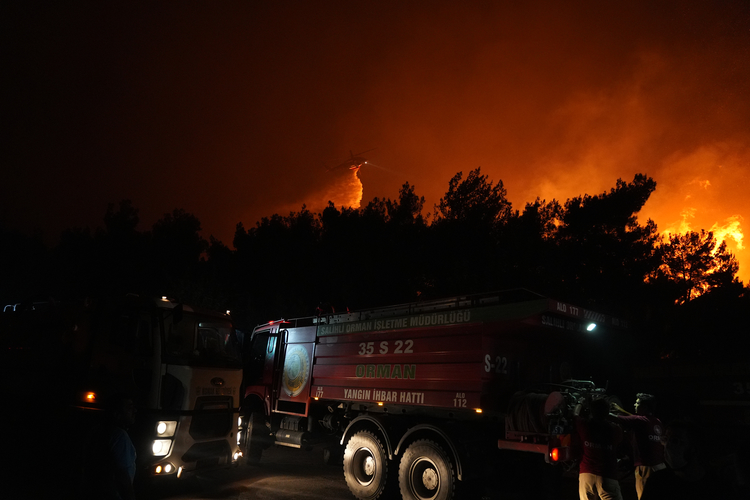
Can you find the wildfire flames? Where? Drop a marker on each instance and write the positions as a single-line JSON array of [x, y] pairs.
[[679, 205], [342, 187], [704, 190], [730, 231], [344, 190]]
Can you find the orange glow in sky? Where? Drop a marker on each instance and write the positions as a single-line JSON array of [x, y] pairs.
[[706, 190], [233, 110]]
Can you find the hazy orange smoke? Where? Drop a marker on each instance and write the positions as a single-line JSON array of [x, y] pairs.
[[342, 187], [701, 178]]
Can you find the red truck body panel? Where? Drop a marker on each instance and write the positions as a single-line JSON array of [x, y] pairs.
[[465, 353]]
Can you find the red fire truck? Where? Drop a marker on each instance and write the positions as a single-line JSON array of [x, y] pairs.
[[416, 393]]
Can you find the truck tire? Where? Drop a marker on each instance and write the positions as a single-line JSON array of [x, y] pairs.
[[255, 439], [366, 466], [426, 472]]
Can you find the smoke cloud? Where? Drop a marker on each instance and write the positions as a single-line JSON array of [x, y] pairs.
[[226, 109]]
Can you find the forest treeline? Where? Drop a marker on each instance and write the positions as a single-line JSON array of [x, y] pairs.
[[679, 293]]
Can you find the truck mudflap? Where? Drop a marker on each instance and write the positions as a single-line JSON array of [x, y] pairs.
[[555, 448]]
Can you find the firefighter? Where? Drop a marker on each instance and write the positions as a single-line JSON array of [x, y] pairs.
[[686, 477], [647, 430], [598, 440]]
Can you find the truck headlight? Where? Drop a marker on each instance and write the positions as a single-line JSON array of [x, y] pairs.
[[166, 428], [161, 447]]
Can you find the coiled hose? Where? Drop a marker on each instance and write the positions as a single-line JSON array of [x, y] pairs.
[[526, 412]]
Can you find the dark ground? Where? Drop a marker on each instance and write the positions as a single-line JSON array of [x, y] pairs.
[[286, 473]]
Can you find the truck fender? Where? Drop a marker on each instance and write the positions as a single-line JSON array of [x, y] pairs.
[[426, 429], [254, 402], [254, 397], [364, 422]]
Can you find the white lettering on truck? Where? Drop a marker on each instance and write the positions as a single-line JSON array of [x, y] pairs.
[[499, 366]]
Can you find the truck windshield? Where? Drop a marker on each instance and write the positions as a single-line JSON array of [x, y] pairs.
[[197, 342]]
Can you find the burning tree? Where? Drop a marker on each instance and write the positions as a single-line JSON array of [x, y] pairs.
[[696, 263]]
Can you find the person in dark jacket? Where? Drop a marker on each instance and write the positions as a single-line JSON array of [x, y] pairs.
[[686, 477], [110, 465]]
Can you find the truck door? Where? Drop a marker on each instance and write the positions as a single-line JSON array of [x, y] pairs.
[[260, 359], [294, 379], [260, 362]]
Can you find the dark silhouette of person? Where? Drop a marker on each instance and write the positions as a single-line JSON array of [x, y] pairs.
[[598, 439], [647, 430], [686, 476], [110, 456]]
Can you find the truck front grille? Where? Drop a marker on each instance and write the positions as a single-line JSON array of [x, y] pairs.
[[208, 454], [212, 418]]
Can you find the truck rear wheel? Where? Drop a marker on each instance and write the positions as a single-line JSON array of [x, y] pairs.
[[366, 466], [426, 472]]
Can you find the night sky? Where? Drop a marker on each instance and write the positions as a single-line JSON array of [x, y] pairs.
[[235, 110]]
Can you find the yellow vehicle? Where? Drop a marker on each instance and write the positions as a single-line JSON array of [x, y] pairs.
[[181, 365]]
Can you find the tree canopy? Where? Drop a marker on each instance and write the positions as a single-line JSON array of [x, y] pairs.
[[591, 250]]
